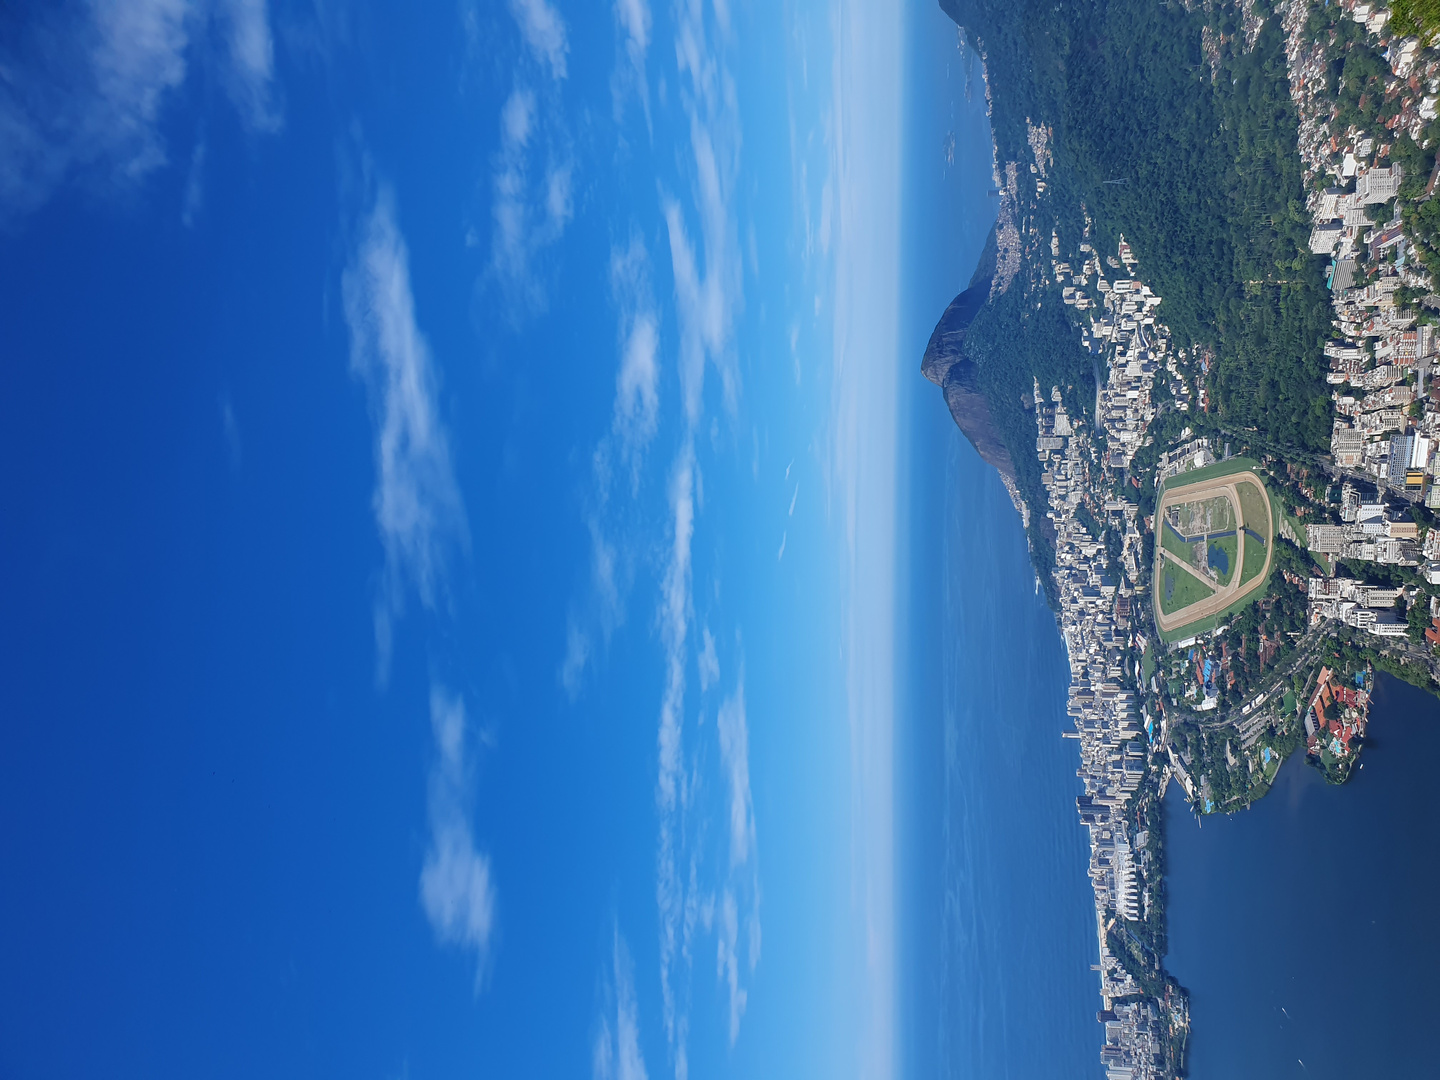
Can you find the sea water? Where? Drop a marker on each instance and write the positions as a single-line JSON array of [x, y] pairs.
[[1306, 928], [997, 918], [1013, 918]]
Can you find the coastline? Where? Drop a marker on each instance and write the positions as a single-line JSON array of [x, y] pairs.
[[1207, 687]]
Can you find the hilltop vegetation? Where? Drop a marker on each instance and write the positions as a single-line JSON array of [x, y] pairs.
[[1191, 153]]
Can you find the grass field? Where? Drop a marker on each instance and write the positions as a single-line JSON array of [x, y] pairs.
[[1229, 547], [1179, 589], [1210, 472], [1254, 508], [1204, 626], [1177, 547], [1254, 560], [1272, 767]]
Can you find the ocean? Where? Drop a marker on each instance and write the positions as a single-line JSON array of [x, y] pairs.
[[997, 925], [1011, 913], [1305, 927]]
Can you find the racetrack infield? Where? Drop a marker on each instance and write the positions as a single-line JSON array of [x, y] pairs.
[[1240, 585]]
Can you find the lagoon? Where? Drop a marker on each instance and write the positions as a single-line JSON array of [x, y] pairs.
[[1305, 928]]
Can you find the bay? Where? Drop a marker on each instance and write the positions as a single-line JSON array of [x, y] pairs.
[[1305, 927]]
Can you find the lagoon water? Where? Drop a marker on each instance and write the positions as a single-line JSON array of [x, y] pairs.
[[1306, 928]]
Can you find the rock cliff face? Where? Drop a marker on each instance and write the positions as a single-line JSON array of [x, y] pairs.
[[947, 367]]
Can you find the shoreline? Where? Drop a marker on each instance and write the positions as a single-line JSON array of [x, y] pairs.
[[1088, 504]]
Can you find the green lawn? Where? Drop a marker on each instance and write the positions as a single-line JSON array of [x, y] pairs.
[[1210, 472], [1229, 547], [1271, 769], [1254, 508], [1254, 560], [1179, 589], [1177, 547]]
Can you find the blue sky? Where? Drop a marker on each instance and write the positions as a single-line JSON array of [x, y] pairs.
[[451, 490]]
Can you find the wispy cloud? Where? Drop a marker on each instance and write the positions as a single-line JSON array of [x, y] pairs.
[[637, 397], [617, 1054], [735, 759], [83, 89], [531, 204], [85, 82], [417, 505], [250, 75], [708, 662], [744, 879], [632, 17], [707, 270], [635, 421], [456, 890], [676, 902], [544, 31], [708, 277]]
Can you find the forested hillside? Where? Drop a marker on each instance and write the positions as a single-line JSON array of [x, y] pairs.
[[1167, 128]]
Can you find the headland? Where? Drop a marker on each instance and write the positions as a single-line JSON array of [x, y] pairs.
[[1197, 350]]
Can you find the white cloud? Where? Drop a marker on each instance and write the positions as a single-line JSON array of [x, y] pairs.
[[685, 893], [636, 418], [637, 402], [456, 890], [708, 662], [517, 117], [86, 84], [544, 31], [531, 204], [674, 620], [735, 759], [83, 90], [727, 962], [251, 69], [744, 876], [417, 505], [633, 19], [708, 282], [138, 56], [637, 396], [610, 576], [617, 1054], [674, 899], [707, 269], [577, 656]]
